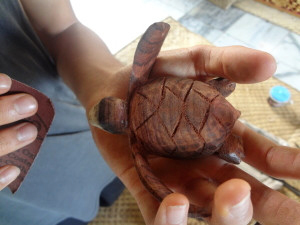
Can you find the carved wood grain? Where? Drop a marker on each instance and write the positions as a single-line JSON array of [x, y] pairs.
[[163, 119], [146, 53]]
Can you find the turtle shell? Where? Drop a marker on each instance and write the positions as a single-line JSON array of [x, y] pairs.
[[180, 118]]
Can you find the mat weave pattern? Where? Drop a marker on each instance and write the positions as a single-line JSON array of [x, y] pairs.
[[283, 122], [251, 100], [270, 14], [289, 6]]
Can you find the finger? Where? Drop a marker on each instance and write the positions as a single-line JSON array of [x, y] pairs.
[[16, 137], [16, 107], [7, 175], [236, 63], [204, 191], [232, 203], [5, 83], [173, 210], [269, 206], [266, 156]]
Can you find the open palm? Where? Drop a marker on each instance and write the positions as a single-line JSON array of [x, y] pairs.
[[200, 179]]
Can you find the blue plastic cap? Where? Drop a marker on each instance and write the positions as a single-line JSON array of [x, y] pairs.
[[280, 94]]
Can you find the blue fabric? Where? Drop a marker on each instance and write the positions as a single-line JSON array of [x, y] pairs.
[[69, 173], [72, 221]]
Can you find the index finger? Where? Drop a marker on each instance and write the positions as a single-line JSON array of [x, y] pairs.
[[265, 155], [236, 63]]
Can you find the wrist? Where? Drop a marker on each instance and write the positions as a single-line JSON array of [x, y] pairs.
[[84, 62], [115, 84]]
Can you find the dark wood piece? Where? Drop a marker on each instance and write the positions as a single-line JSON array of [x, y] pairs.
[[25, 156], [170, 117]]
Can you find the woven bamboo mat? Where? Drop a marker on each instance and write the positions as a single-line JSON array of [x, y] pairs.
[[270, 14], [283, 122], [251, 100], [288, 6]]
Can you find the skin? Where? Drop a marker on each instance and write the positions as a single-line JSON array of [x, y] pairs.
[[10, 137], [93, 73]]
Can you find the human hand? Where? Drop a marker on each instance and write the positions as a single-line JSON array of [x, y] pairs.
[[12, 137], [208, 182]]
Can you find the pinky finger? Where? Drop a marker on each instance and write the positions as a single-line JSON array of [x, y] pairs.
[[7, 175], [173, 210]]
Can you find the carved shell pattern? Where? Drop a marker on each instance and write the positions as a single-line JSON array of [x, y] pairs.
[[177, 117]]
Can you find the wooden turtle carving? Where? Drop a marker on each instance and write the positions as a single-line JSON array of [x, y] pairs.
[[170, 117]]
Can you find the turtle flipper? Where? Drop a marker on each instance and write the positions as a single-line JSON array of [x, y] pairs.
[[146, 53], [150, 181], [154, 185], [223, 85], [232, 150], [110, 114]]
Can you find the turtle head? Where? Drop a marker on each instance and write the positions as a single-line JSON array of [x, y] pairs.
[[110, 114]]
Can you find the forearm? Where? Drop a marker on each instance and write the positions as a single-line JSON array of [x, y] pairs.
[[82, 59], [84, 62]]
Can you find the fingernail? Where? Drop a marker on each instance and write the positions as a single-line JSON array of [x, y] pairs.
[[25, 104], [176, 214], [5, 81], [8, 174], [26, 132], [241, 209]]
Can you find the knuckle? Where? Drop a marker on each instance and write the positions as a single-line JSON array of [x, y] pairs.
[[5, 145], [269, 158], [287, 211], [7, 113], [295, 165], [280, 160]]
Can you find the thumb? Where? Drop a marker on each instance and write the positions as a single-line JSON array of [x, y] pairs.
[[232, 203], [173, 210]]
